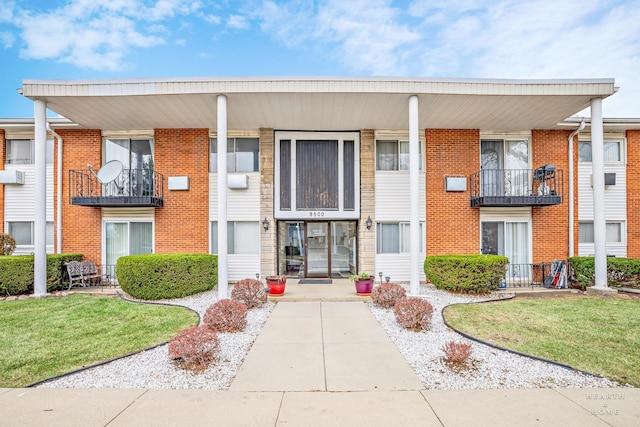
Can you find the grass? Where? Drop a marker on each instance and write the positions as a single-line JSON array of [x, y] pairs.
[[596, 335], [42, 338]]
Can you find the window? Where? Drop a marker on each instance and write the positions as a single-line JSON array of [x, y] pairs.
[[585, 232], [242, 155], [612, 151], [242, 237], [393, 238], [127, 238], [510, 239], [21, 151], [394, 155], [132, 153], [22, 232]]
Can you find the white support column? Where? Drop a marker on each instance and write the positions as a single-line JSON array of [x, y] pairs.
[[223, 274], [599, 221], [414, 183], [40, 226]]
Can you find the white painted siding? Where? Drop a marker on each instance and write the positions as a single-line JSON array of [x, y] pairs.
[[242, 205], [393, 200], [615, 205], [19, 200]]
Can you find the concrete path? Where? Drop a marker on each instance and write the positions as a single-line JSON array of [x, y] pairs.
[[324, 346]]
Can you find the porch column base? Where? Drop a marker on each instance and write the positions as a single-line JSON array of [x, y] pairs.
[[601, 292]]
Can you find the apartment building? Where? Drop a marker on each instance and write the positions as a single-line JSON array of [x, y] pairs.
[[322, 177]]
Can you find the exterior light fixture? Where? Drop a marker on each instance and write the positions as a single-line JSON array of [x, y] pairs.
[[265, 224], [258, 276], [368, 223], [380, 274], [387, 278]]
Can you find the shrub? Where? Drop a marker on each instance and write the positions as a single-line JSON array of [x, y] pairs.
[[226, 316], [250, 292], [387, 294], [413, 313], [194, 348], [7, 244], [620, 271], [165, 276], [469, 274], [456, 353], [16, 272]]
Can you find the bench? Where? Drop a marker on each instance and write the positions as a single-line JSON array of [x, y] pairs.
[[83, 273]]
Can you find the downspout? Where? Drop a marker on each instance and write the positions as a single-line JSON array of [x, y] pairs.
[[571, 195], [58, 192]]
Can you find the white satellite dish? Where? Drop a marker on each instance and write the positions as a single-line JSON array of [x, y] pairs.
[[109, 172]]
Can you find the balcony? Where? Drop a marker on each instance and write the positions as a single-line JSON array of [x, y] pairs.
[[130, 188], [516, 187]]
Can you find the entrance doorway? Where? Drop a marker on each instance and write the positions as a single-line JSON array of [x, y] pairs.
[[317, 248]]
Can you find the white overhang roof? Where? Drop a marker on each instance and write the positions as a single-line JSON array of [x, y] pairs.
[[318, 103]]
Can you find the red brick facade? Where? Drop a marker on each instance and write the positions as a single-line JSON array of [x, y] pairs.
[[81, 225], [452, 225], [550, 224], [182, 225], [633, 194]]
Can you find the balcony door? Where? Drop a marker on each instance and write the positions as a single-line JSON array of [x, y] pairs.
[[136, 156], [504, 165]]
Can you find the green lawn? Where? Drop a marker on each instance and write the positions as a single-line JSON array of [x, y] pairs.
[[597, 335], [42, 338]]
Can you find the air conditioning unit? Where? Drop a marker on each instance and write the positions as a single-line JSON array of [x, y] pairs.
[[11, 177]]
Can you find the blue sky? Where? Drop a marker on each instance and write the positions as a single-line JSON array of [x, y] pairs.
[[109, 39]]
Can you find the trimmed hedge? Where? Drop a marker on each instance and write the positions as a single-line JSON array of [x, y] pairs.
[[620, 271], [166, 276], [16, 272], [469, 274]]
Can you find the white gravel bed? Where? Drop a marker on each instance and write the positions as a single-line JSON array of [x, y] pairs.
[[152, 369], [490, 368]]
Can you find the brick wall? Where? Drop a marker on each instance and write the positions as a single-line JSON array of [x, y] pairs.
[[550, 224], [182, 225], [633, 194], [452, 225], [81, 225]]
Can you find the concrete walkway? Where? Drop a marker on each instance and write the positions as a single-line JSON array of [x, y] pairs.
[[321, 363]]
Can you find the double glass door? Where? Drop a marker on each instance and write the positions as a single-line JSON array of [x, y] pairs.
[[317, 248]]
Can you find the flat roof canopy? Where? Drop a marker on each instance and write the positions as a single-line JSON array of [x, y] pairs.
[[318, 103]]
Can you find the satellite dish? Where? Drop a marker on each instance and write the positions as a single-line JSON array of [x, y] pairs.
[[109, 172]]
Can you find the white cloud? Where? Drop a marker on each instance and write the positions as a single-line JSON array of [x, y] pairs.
[[366, 35], [6, 10], [97, 34], [237, 22], [7, 39]]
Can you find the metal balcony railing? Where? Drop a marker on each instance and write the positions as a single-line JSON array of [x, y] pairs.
[[545, 274], [131, 188], [517, 187]]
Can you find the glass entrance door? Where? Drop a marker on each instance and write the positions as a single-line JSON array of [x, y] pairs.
[[317, 260]]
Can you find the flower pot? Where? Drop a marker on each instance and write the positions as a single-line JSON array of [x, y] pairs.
[[276, 285], [364, 286]]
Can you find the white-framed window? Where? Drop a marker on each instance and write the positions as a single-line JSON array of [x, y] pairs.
[[22, 232], [612, 151], [394, 237], [243, 237], [614, 232], [393, 155], [122, 237], [242, 155], [21, 151]]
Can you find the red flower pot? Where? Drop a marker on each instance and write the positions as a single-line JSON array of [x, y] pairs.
[[364, 286], [276, 285]]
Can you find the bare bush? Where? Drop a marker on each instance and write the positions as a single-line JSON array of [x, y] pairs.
[[194, 348], [413, 313], [250, 292], [226, 316], [387, 294]]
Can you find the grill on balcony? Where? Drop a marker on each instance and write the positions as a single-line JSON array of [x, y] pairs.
[[130, 188], [517, 187]]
